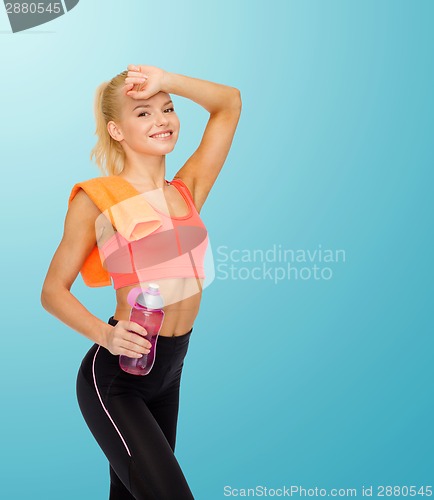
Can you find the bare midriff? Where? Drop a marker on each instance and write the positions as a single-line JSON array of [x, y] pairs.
[[181, 297]]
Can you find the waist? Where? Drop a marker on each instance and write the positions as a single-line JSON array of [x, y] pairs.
[[173, 339]]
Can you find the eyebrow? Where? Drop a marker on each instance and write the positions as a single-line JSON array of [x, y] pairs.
[[148, 105]]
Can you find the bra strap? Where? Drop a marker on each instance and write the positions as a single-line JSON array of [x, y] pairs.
[[184, 188]]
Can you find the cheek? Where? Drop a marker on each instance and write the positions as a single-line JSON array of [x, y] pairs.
[[135, 132], [128, 126], [140, 126], [144, 125], [176, 122]]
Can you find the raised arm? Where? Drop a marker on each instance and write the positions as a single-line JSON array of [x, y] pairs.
[[224, 106]]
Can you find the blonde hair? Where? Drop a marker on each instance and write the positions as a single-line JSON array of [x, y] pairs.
[[108, 153]]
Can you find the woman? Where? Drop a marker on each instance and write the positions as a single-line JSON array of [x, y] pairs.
[[134, 418]]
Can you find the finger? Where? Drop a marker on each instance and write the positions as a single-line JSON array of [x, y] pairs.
[[136, 74], [139, 344], [134, 342], [133, 67], [135, 335], [139, 94], [135, 79], [137, 347], [138, 87], [132, 326], [131, 354], [139, 340], [135, 94], [127, 88]]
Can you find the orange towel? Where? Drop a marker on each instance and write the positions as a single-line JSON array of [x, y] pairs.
[[127, 211]]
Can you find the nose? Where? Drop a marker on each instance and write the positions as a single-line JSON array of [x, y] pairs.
[[161, 119]]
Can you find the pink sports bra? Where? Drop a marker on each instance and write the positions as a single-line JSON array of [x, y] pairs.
[[176, 249]]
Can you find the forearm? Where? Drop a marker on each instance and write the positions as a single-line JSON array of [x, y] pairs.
[[214, 97], [64, 306]]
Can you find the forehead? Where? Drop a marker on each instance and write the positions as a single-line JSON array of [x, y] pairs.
[[156, 100]]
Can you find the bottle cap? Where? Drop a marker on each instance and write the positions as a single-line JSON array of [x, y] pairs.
[[151, 298], [153, 289]]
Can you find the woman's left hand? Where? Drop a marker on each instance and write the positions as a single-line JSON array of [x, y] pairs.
[[142, 82]]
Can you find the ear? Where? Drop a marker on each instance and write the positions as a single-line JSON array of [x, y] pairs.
[[114, 131]]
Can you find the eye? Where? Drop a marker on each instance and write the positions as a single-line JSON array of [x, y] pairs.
[[144, 112], [169, 109]]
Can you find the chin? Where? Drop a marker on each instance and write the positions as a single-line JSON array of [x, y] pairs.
[[158, 151], [165, 148]]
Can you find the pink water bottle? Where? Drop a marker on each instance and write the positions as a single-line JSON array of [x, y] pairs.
[[147, 312]]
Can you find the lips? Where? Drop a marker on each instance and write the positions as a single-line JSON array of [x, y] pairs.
[[162, 135]]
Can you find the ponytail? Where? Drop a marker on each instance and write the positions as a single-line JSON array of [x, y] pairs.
[[108, 153]]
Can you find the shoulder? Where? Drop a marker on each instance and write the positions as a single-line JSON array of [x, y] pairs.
[[85, 194], [88, 185], [95, 188]]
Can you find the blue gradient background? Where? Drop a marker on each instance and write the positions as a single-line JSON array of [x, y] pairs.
[[318, 383]]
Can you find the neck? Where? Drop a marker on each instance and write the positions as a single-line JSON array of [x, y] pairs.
[[149, 171]]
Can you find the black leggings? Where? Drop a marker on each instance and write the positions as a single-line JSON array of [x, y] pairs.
[[133, 418]]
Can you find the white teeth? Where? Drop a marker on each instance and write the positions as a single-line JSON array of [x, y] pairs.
[[162, 135]]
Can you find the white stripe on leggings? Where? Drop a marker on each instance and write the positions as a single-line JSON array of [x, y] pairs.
[[102, 404]]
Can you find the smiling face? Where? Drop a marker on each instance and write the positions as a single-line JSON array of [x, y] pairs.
[[146, 126]]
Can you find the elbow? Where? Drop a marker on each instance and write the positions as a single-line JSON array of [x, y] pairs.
[[236, 102], [229, 103], [48, 293], [45, 299]]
